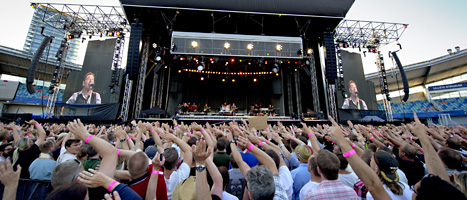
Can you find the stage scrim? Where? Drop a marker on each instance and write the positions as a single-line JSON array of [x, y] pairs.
[[86, 111]]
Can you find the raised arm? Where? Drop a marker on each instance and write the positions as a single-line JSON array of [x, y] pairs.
[[364, 172], [40, 132], [433, 162], [152, 185], [312, 138], [201, 154], [105, 149], [187, 154], [262, 157]]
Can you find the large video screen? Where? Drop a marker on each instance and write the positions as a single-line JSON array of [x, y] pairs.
[[359, 93], [91, 84]]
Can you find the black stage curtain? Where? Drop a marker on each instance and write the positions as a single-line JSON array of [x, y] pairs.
[[87, 111], [243, 92]]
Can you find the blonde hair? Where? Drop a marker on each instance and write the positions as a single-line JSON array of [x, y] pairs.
[[21, 145], [461, 182]]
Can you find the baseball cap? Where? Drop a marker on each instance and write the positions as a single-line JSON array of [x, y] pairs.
[[387, 166]]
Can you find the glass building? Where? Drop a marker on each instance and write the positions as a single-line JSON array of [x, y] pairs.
[[34, 37]]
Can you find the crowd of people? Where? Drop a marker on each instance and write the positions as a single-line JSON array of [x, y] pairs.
[[233, 160]]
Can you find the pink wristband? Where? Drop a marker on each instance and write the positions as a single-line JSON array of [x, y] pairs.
[[118, 152], [88, 138], [372, 137], [373, 133], [251, 147], [293, 138], [157, 172], [349, 153], [353, 145], [152, 131], [128, 139], [410, 137], [421, 150], [202, 130], [111, 185], [260, 142], [343, 132], [35, 126], [309, 135], [267, 141], [210, 133]]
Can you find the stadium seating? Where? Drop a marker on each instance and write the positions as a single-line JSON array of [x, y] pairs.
[[454, 106]]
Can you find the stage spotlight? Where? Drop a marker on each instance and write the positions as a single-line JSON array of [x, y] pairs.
[[249, 46], [158, 58], [201, 66], [276, 68], [233, 80], [110, 33], [458, 48], [154, 45], [226, 45], [223, 80], [309, 51], [255, 80], [278, 47], [232, 60], [179, 71], [277, 74], [194, 44], [450, 51], [202, 78], [118, 33], [166, 67]]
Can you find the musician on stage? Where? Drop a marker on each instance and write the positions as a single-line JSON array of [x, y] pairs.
[[354, 102], [233, 108], [270, 109], [206, 108], [86, 95]]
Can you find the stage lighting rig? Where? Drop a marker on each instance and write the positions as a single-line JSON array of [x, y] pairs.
[[275, 69], [194, 44], [309, 51], [75, 34], [201, 66], [226, 45], [278, 47], [249, 46]]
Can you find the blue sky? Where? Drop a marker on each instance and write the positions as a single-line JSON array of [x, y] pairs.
[[434, 26]]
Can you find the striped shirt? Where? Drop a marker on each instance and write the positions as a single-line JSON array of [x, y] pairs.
[[334, 189]]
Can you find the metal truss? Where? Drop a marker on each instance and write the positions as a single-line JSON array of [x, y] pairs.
[[141, 79], [383, 82], [126, 98], [331, 89], [314, 84], [117, 62], [93, 19], [368, 33], [57, 78]]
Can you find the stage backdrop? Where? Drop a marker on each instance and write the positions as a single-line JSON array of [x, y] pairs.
[[98, 60], [353, 70]]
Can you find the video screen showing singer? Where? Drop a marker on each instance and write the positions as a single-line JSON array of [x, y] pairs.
[[86, 95], [354, 102]]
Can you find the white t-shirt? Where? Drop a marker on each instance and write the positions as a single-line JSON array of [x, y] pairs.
[[176, 177], [65, 156], [228, 196], [402, 177], [348, 179], [306, 188], [406, 194], [286, 180]]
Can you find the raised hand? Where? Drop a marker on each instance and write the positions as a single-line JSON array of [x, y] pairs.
[[336, 131], [243, 142], [78, 129], [156, 162], [200, 153], [8, 177]]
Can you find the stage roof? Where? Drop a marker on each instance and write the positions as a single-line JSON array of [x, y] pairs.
[[422, 73], [328, 8], [16, 62], [293, 18]]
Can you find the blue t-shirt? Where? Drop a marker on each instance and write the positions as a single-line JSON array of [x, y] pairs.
[[41, 169]]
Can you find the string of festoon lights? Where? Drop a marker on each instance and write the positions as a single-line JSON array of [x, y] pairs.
[[228, 73]]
